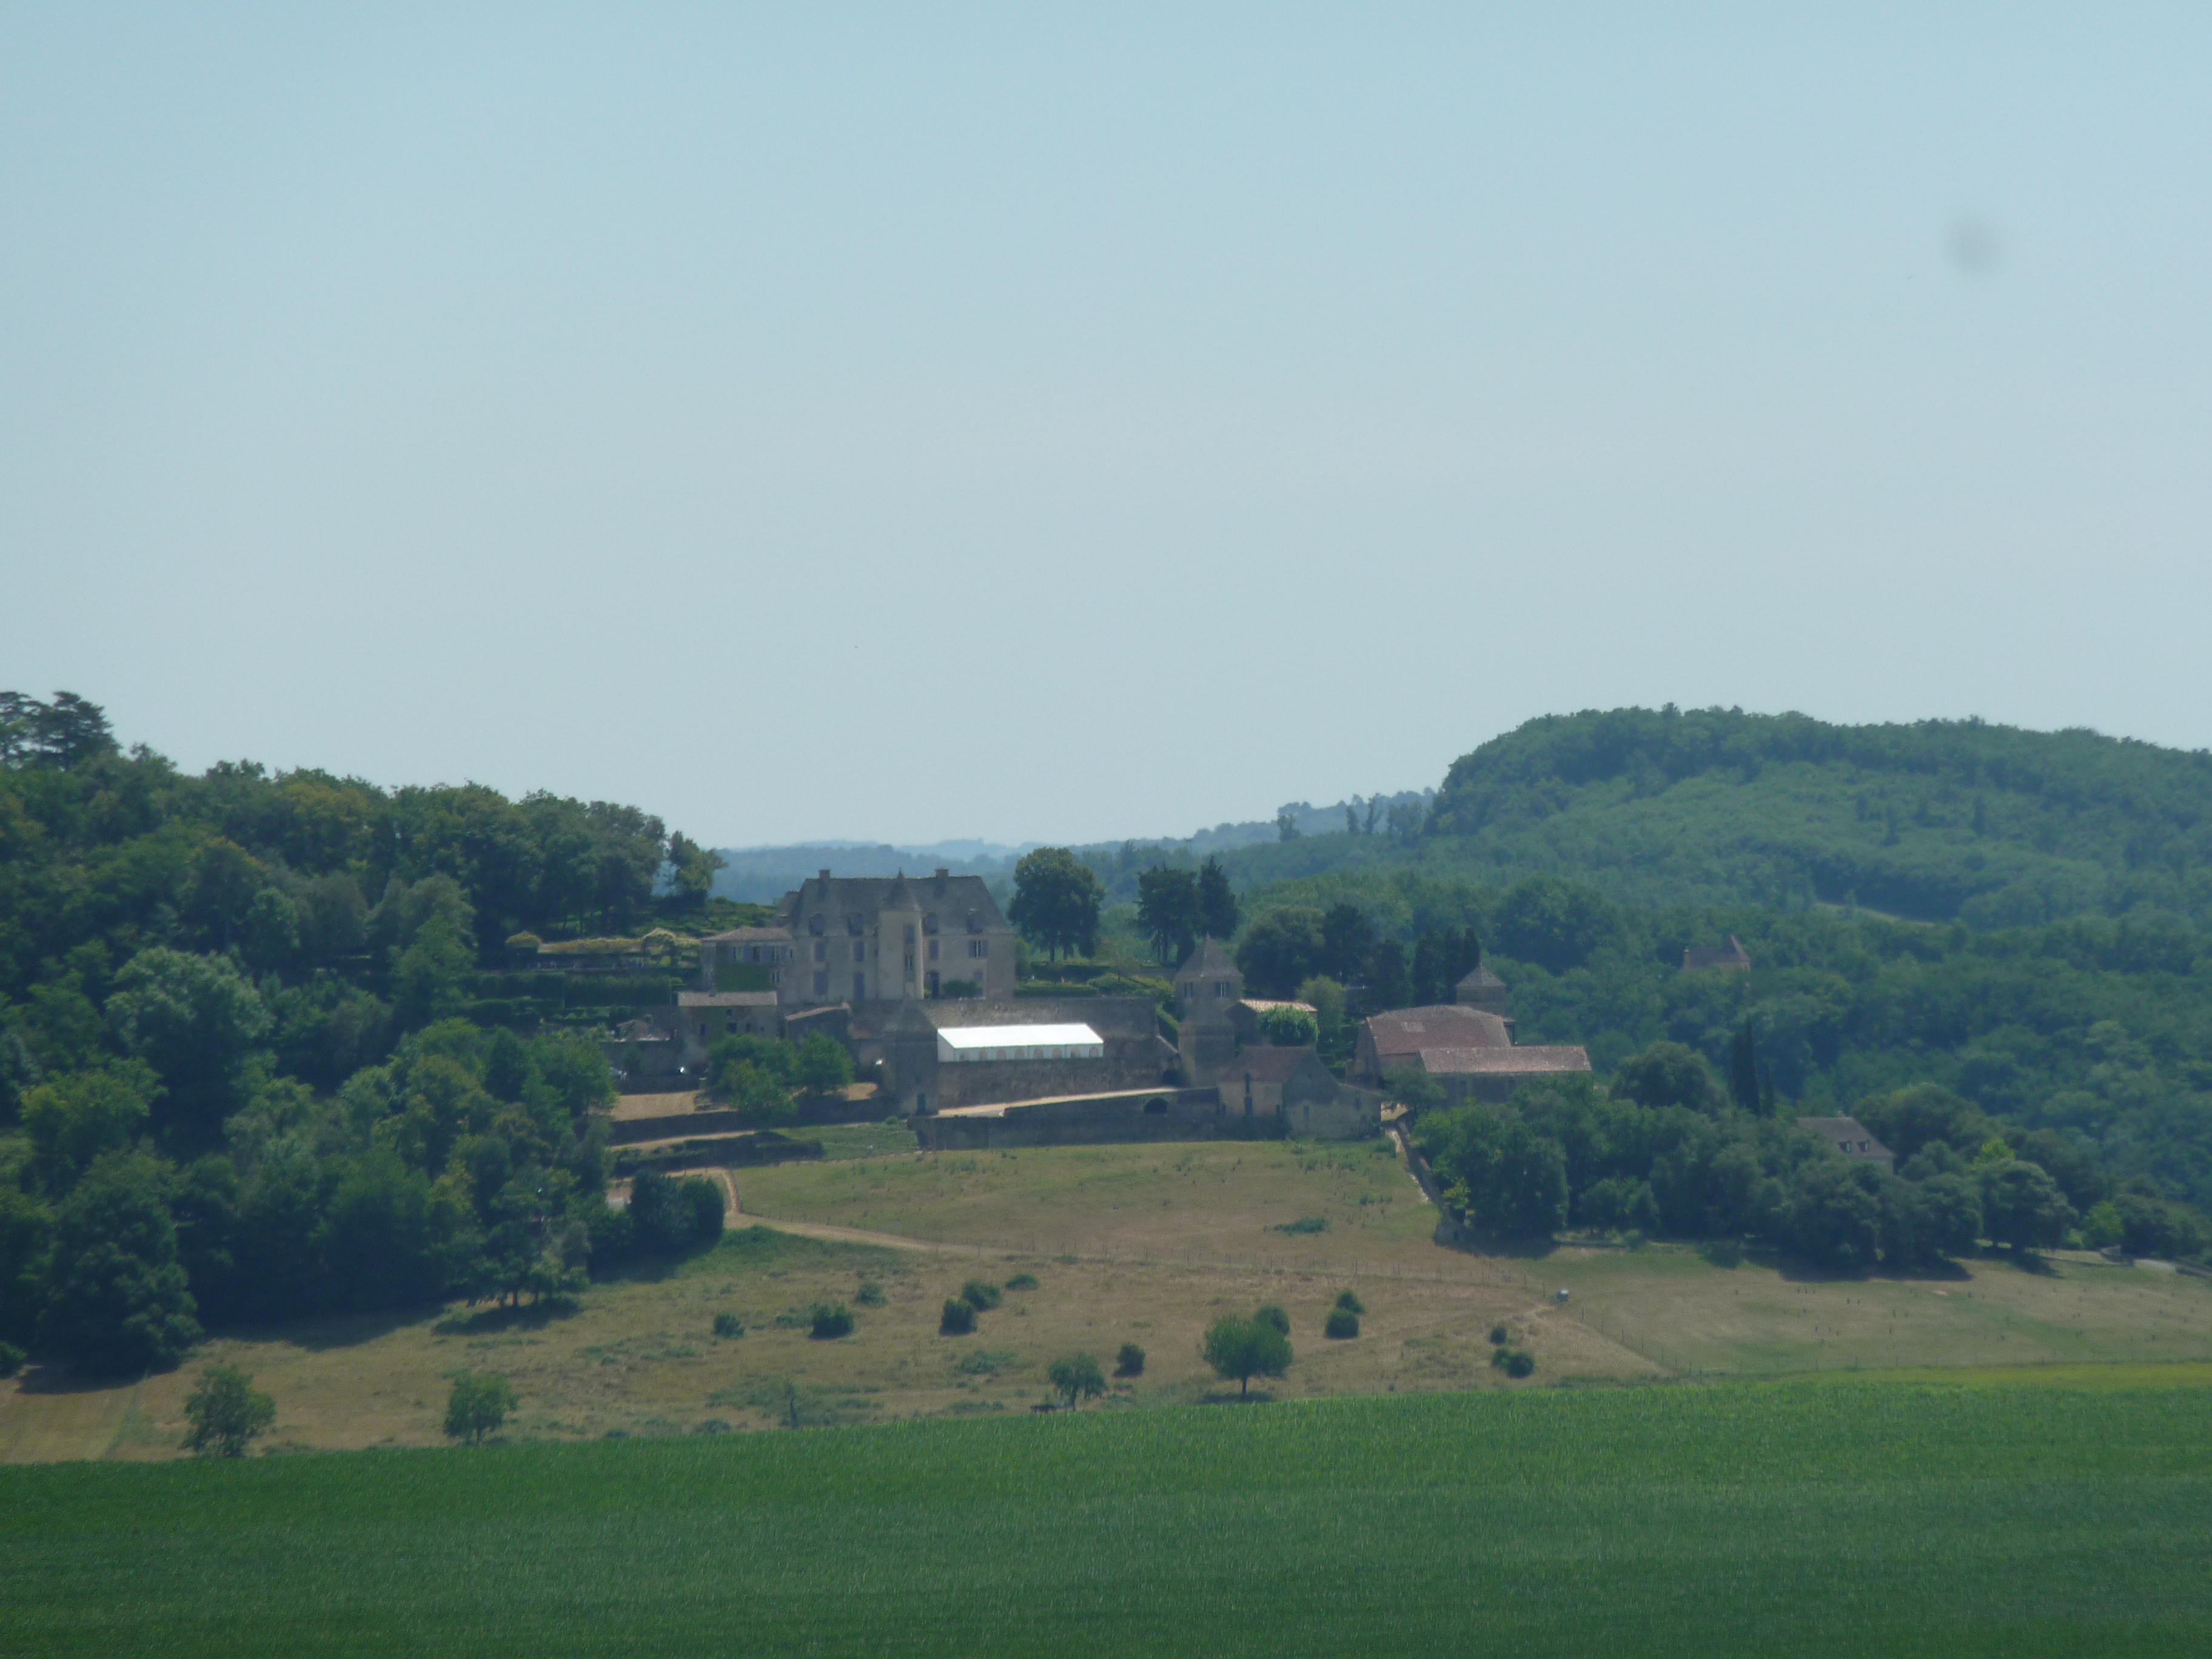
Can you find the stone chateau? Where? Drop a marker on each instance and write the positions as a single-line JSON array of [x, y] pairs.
[[914, 976]]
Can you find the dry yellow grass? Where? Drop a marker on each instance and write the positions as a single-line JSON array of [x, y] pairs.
[[1147, 1244]]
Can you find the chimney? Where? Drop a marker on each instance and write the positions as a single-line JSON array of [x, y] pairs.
[[825, 884], [942, 872]]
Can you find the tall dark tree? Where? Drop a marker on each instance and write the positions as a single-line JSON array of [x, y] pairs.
[[1057, 900], [1388, 984], [1167, 911], [1347, 940], [1279, 950], [1217, 905], [1743, 1071], [116, 1301]]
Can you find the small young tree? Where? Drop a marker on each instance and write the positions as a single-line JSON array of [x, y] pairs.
[[478, 1405], [821, 1067], [1076, 1379], [1350, 1302], [830, 1320], [1269, 1315], [226, 1412], [980, 1295], [1246, 1348], [1342, 1323], [1130, 1362], [958, 1318]]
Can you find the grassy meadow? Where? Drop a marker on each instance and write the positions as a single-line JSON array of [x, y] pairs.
[[1851, 1518], [1144, 1244]]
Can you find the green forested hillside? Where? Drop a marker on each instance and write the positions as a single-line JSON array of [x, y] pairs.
[[1988, 825], [262, 1046]]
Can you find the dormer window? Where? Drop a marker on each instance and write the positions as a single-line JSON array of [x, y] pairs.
[[929, 922], [815, 924], [853, 925], [975, 922]]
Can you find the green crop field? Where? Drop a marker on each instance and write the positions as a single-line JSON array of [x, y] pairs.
[[1766, 1519]]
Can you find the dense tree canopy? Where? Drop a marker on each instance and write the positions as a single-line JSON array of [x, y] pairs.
[[233, 1080]]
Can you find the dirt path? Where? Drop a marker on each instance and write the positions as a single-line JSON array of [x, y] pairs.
[[727, 1181], [1486, 1274]]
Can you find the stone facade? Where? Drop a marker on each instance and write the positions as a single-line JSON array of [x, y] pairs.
[[704, 1016], [868, 939]]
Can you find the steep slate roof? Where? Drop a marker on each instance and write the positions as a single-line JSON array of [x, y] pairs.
[[1534, 1060], [1847, 1135], [1269, 1065], [1208, 958], [1406, 1031], [951, 899]]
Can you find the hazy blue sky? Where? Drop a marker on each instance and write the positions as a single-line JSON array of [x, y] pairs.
[[1043, 422]]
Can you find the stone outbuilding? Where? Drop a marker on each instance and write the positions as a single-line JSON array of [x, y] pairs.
[[1494, 1073]]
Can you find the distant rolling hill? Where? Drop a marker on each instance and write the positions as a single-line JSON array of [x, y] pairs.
[[1943, 820]]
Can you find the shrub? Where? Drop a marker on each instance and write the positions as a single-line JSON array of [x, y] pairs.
[[1022, 1282], [478, 1405], [1273, 1318], [870, 1295], [958, 1318], [1513, 1362], [1342, 1323], [1305, 1224], [980, 1295], [1130, 1362], [828, 1320], [1497, 1335], [11, 1360], [225, 1411], [1350, 1302], [728, 1324], [1289, 1027]]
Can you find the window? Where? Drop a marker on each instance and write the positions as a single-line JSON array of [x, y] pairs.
[[853, 926], [929, 922], [978, 947], [814, 925], [821, 985], [932, 949], [821, 951], [752, 953], [909, 934], [909, 964], [860, 986], [1221, 987], [776, 975], [859, 951]]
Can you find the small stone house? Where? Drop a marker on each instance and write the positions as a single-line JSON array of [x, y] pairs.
[[702, 1017], [1850, 1138]]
